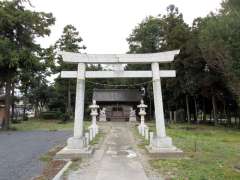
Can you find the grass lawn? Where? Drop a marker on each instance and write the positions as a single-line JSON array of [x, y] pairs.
[[212, 153], [45, 125]]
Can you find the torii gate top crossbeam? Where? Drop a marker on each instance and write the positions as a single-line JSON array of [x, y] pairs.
[[147, 58]]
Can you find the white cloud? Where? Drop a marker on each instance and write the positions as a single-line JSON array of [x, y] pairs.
[[105, 24]]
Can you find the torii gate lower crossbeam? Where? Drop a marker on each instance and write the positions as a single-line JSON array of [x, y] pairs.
[[160, 144]]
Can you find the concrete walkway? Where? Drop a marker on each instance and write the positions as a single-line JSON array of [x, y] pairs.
[[116, 159]]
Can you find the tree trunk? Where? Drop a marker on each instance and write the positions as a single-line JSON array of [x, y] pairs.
[[12, 102], [170, 117], [224, 108], [150, 108], [238, 114], [175, 116], [235, 119], [24, 110], [214, 109], [204, 111], [229, 118], [187, 106], [24, 104], [7, 104], [36, 110], [196, 110]]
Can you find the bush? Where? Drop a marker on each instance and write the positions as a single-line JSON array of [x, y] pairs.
[[51, 115]]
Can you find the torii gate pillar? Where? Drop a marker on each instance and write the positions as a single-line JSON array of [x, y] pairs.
[[76, 145], [160, 142], [77, 141]]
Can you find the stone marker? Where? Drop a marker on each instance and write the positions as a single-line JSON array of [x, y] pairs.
[[146, 133], [143, 131], [150, 138], [87, 138]]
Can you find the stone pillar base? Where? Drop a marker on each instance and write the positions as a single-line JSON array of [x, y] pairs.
[[163, 146], [132, 119], [76, 143], [102, 118], [76, 148]]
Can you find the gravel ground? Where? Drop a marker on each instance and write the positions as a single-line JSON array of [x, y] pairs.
[[20, 152]]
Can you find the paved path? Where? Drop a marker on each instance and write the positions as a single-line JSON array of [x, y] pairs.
[[20, 152], [115, 160]]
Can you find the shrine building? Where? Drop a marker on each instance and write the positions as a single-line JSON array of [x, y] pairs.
[[118, 102]]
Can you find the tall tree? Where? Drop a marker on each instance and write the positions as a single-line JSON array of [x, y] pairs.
[[220, 43], [19, 51], [69, 41], [156, 34], [161, 33]]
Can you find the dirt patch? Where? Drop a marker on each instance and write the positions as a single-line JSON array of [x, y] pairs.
[[237, 167], [51, 167], [51, 170]]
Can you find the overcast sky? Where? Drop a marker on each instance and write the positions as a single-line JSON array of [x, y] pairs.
[[104, 25]]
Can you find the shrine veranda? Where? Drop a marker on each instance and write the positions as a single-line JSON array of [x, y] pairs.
[[160, 142]]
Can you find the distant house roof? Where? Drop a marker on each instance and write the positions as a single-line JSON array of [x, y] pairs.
[[116, 95]]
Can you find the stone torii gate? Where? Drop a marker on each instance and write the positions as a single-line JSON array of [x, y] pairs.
[[160, 142]]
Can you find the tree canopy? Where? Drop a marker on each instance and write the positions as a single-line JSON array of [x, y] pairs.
[[19, 52], [208, 64]]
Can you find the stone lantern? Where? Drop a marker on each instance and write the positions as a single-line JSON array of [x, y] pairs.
[[142, 113], [94, 107]]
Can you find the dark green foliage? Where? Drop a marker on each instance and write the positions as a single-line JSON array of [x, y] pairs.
[[161, 33], [19, 52], [220, 42], [51, 115], [156, 34], [208, 78], [65, 88]]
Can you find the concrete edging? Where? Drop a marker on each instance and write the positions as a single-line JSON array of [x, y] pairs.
[[60, 173]]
